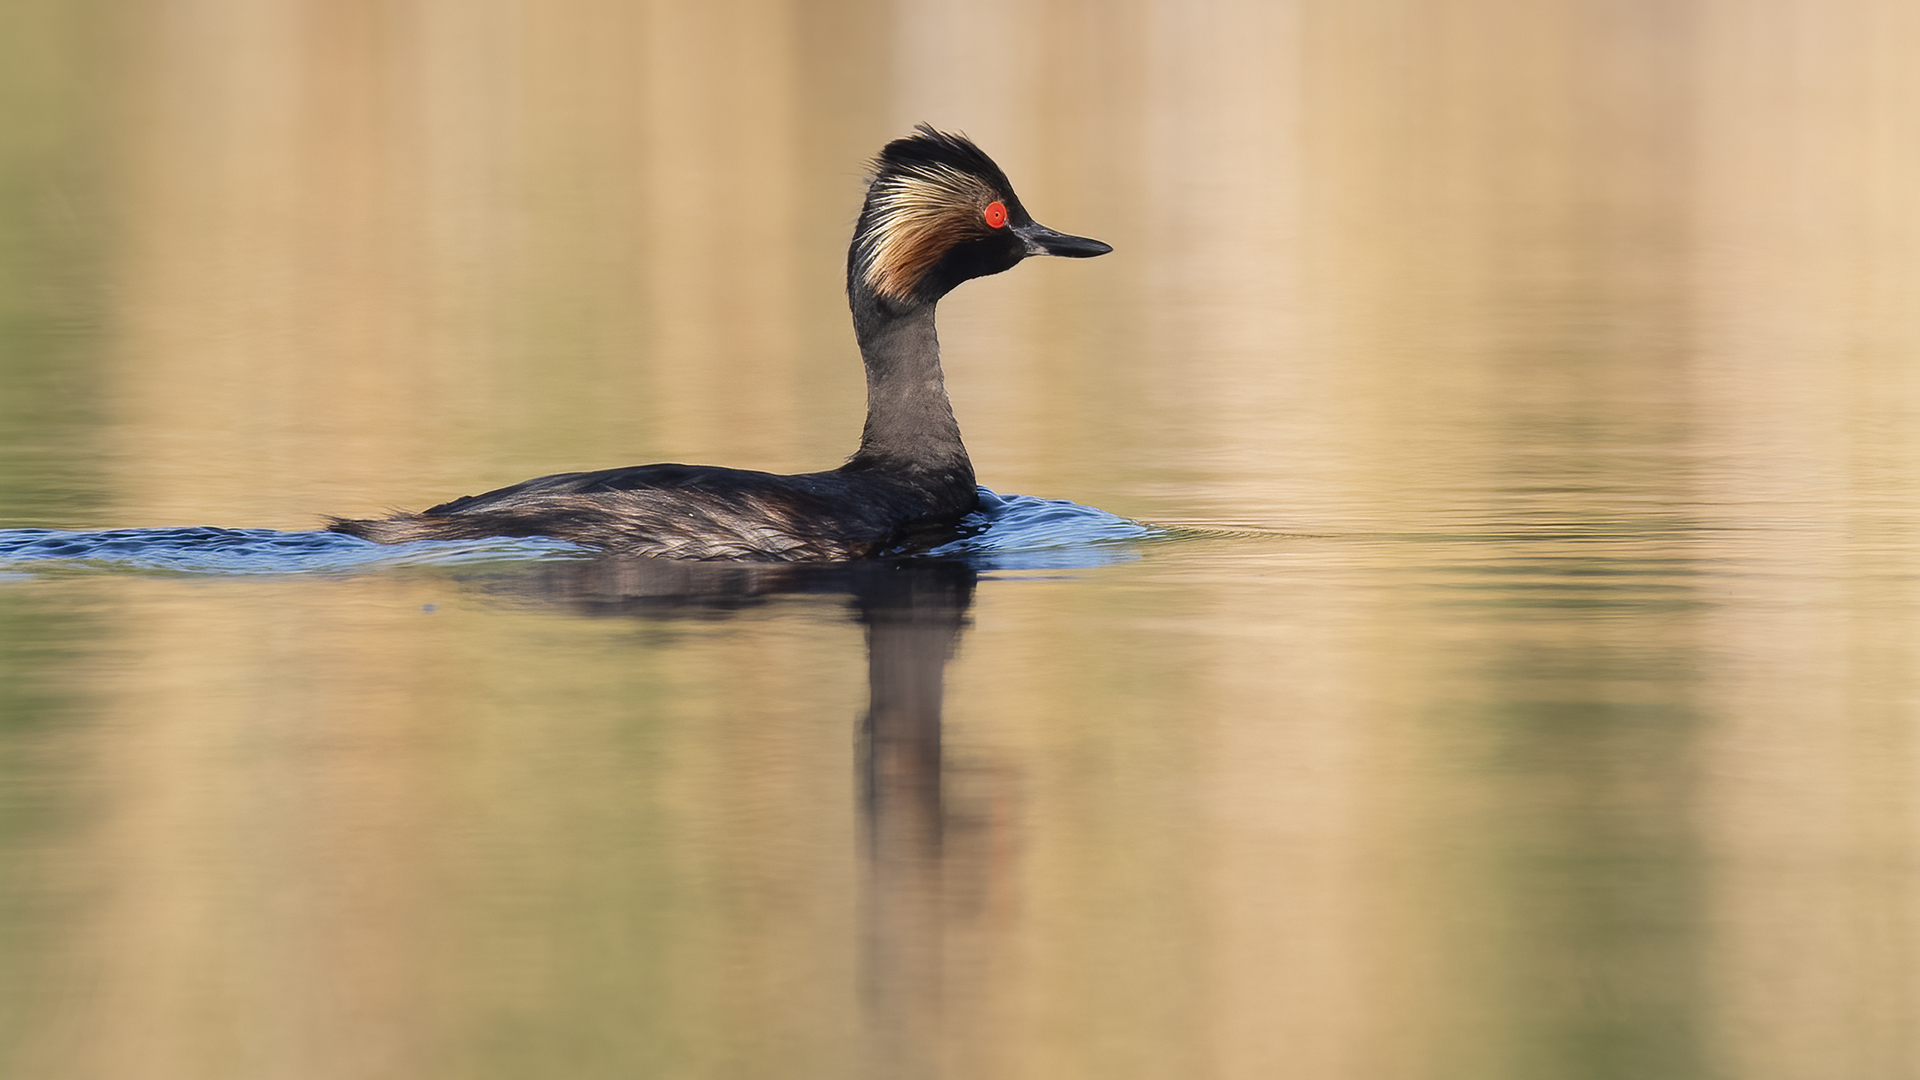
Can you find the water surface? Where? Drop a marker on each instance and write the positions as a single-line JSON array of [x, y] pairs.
[[1516, 677]]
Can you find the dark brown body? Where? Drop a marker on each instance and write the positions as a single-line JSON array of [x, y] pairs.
[[703, 512]]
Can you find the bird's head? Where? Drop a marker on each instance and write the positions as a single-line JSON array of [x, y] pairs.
[[939, 212]]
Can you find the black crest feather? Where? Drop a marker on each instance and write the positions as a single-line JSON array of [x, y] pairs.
[[929, 146]]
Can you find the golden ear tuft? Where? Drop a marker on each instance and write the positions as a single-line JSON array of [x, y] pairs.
[[916, 216]]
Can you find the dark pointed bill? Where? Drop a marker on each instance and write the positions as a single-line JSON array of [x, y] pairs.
[[1041, 240]]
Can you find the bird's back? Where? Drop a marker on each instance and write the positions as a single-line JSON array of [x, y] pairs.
[[696, 512]]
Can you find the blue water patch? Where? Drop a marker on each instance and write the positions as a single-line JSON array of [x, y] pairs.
[[1021, 532], [209, 550], [1008, 532]]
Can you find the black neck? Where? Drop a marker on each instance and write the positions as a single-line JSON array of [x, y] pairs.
[[910, 426]]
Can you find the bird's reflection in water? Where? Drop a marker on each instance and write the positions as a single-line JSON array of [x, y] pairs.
[[910, 858], [927, 868]]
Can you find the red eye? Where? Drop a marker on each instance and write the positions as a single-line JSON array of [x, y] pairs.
[[996, 214]]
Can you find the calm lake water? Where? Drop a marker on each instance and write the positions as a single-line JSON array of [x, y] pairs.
[[1522, 679]]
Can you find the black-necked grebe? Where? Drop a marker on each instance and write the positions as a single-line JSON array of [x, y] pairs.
[[938, 212]]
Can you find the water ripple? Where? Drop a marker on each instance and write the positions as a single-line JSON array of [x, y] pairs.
[[1021, 532], [204, 549]]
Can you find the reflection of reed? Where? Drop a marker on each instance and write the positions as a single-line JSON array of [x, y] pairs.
[[1380, 260]]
